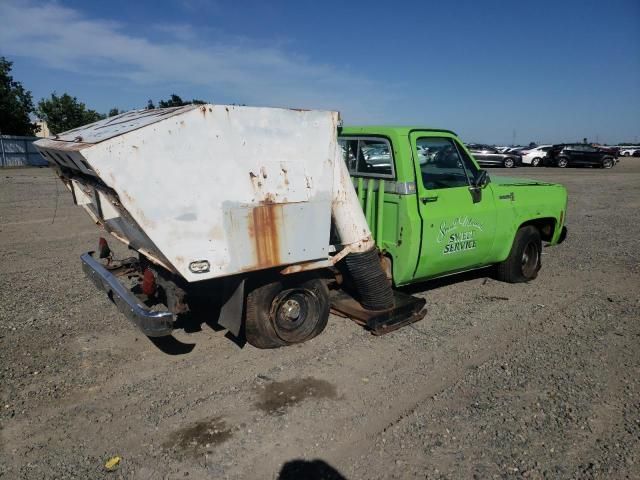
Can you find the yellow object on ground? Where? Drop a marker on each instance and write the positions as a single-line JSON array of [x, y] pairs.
[[112, 463]]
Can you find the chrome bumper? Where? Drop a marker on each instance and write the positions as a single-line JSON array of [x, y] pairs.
[[152, 324]]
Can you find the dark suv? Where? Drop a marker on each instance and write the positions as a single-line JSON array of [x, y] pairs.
[[579, 154]]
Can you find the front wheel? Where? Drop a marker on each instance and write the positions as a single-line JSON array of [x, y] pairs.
[[607, 163], [288, 310], [509, 163], [535, 162], [563, 162], [524, 260]]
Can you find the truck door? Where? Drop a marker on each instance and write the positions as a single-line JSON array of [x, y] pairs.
[[457, 230], [577, 154]]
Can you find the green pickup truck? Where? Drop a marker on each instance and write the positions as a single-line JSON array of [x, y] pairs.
[[254, 210], [434, 212]]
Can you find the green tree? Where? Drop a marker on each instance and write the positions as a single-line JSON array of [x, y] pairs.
[[65, 112], [176, 101], [15, 104], [114, 111]]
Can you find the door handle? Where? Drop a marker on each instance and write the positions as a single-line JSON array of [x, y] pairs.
[[429, 199]]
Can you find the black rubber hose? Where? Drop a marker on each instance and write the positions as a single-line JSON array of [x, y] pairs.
[[371, 284]]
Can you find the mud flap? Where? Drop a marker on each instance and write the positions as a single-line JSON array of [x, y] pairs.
[[408, 309], [232, 310]]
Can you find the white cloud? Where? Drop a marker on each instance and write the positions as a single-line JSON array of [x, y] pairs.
[[63, 38]]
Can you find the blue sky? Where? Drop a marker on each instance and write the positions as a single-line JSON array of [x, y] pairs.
[[550, 70]]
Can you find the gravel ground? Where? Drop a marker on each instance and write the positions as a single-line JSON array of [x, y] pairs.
[[540, 380]]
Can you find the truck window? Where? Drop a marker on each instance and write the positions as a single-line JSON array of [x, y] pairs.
[[441, 165], [469, 166], [368, 157]]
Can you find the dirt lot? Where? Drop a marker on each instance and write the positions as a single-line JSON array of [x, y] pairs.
[[526, 381]]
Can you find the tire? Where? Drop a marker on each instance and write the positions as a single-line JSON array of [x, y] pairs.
[[562, 162], [509, 163], [607, 162], [626, 154], [288, 310], [524, 260], [535, 162]]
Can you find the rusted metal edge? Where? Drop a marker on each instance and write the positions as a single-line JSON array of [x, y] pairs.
[[306, 266]]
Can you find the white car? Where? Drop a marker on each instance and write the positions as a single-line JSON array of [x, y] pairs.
[[629, 151], [534, 156]]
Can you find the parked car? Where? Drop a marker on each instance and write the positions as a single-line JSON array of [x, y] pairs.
[[579, 154], [488, 156], [630, 151], [614, 151], [535, 155]]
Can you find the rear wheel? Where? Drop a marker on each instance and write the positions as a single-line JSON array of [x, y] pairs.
[[524, 260], [288, 310], [509, 163], [607, 162], [562, 162], [535, 162]]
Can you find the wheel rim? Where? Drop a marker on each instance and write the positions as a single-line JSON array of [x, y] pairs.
[[294, 314], [607, 163], [508, 163], [562, 163], [535, 162], [530, 259]]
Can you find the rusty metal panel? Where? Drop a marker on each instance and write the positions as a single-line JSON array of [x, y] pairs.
[[118, 125], [213, 189], [278, 234]]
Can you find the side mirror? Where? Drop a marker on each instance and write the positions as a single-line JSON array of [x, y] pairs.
[[482, 180], [476, 189]]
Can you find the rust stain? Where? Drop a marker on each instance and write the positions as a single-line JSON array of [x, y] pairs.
[[254, 181], [264, 224], [127, 196]]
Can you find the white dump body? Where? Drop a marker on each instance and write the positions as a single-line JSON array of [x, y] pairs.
[[209, 190]]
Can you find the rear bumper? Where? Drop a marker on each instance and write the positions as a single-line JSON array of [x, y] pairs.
[[152, 324]]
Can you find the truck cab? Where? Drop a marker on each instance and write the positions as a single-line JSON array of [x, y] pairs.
[[433, 211]]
